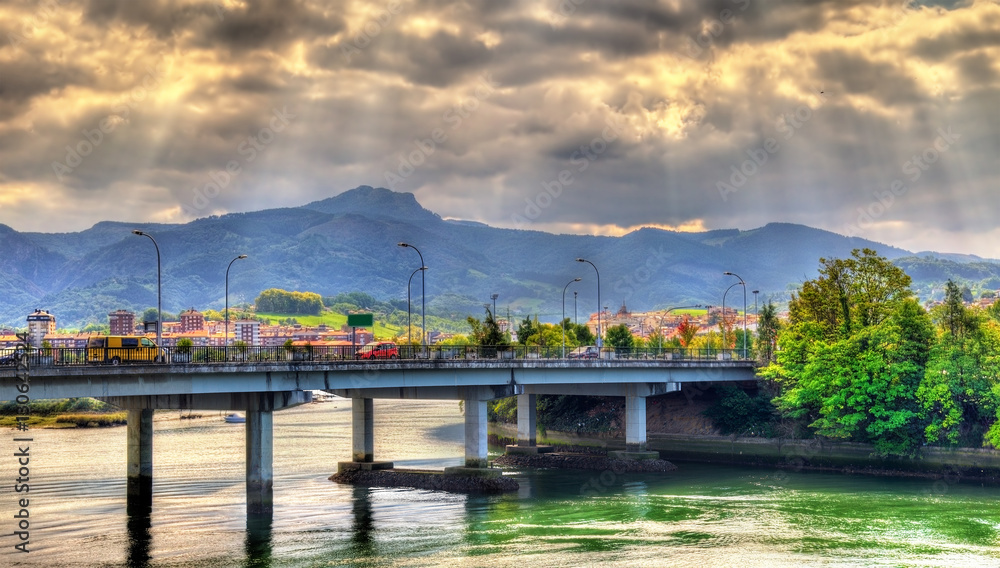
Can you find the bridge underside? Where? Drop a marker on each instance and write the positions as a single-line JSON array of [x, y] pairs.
[[259, 390]]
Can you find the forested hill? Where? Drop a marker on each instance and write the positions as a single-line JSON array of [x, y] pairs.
[[349, 242]]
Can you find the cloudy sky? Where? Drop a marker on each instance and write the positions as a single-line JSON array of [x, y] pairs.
[[879, 120]]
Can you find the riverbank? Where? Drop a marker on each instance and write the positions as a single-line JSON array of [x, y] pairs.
[[426, 479], [582, 461], [815, 455]]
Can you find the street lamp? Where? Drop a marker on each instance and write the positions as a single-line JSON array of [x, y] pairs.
[[599, 341], [409, 328], [755, 292], [562, 322], [159, 304], [574, 308], [724, 310], [423, 292], [744, 311], [494, 298], [240, 257]]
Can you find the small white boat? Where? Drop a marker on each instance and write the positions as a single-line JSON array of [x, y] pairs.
[[235, 418]]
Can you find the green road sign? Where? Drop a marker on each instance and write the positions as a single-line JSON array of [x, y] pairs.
[[361, 320]]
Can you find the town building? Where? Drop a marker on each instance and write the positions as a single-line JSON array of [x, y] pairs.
[[122, 322], [192, 320], [40, 324]]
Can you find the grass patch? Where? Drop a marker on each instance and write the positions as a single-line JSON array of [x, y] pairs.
[[335, 321], [93, 420]]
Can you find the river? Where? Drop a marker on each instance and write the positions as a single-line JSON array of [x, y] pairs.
[[701, 515]]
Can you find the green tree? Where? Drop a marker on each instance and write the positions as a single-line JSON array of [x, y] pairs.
[[850, 294], [959, 392], [525, 330], [487, 332], [619, 337], [851, 362], [768, 327]]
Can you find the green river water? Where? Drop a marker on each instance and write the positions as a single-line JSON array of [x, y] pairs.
[[701, 515]]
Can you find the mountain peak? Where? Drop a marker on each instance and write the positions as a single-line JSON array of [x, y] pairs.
[[374, 202]]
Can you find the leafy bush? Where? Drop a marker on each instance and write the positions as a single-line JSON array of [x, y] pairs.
[[736, 412]]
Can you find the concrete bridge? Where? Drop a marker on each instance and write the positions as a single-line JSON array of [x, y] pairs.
[[260, 388]]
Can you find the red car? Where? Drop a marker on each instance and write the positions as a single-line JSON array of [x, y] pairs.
[[379, 350]]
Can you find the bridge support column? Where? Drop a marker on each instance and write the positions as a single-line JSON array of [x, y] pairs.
[[526, 420], [140, 457], [363, 429], [476, 450], [259, 462], [635, 429], [363, 437], [527, 427], [635, 423]]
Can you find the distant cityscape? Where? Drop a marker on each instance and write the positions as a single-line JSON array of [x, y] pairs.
[[203, 332]]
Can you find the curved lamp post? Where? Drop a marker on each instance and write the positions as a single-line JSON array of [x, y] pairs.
[[744, 310], [600, 342], [240, 257], [423, 292], [562, 322], [724, 310], [667, 311], [409, 328], [159, 304]]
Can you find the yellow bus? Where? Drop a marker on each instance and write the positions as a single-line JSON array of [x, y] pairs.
[[117, 349]]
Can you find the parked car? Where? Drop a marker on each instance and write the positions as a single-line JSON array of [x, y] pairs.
[[8, 360], [379, 350], [588, 352]]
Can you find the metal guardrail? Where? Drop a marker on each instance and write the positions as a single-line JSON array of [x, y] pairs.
[[75, 357]]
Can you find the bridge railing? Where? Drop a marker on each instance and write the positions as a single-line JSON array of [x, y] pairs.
[[69, 356]]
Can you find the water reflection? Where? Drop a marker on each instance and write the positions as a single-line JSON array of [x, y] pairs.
[[258, 541], [138, 523], [363, 527]]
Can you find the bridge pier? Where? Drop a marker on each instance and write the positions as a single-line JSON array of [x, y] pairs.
[[527, 427], [635, 423], [363, 429], [139, 457], [526, 416], [259, 462], [476, 434], [635, 427], [363, 437]]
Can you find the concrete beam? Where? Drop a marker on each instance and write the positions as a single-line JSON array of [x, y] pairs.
[[259, 460], [363, 429], [476, 450], [139, 457], [185, 379], [484, 392], [213, 401], [526, 427], [623, 389]]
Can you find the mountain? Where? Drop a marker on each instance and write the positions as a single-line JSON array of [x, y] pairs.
[[349, 242]]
